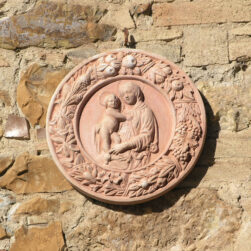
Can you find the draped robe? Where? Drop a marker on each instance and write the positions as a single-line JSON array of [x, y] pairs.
[[141, 133]]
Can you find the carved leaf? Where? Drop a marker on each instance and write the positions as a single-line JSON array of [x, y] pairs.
[[60, 149], [86, 182], [152, 189], [188, 93], [104, 179], [94, 172], [179, 94], [73, 147], [139, 192], [111, 193], [95, 188], [152, 179], [61, 123], [158, 73], [132, 194], [66, 150], [165, 171], [101, 67], [161, 182], [71, 139], [63, 132], [81, 83], [119, 193], [78, 178], [134, 177], [57, 139], [67, 164], [143, 60], [154, 170], [133, 187], [79, 159], [75, 99], [68, 160], [51, 128]]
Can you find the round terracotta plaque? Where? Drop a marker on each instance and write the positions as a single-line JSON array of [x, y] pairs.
[[126, 126]]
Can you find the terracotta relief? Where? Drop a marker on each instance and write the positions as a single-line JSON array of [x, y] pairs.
[[127, 137], [126, 126]]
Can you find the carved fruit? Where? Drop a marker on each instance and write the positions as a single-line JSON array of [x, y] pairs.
[[110, 58], [129, 61], [177, 85], [144, 183], [109, 71], [161, 182], [87, 175]]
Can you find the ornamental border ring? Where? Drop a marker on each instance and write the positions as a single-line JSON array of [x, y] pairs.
[[85, 100], [158, 177]]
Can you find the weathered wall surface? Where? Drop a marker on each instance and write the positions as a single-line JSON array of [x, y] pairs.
[[40, 41]]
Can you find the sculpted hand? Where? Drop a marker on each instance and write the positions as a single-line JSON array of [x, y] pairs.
[[129, 117], [117, 149]]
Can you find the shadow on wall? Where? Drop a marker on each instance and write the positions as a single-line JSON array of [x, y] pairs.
[[130, 41], [191, 181]]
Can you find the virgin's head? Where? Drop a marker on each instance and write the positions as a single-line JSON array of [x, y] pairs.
[[130, 93]]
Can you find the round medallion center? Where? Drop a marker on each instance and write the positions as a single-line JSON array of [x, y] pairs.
[[124, 123]]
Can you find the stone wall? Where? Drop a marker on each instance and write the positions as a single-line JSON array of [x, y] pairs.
[[40, 41]]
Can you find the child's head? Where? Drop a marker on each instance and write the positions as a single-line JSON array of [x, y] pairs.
[[109, 100]]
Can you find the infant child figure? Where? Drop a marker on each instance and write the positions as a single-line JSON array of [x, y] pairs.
[[108, 128]]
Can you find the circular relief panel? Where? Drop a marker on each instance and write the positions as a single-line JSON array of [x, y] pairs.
[[126, 126]]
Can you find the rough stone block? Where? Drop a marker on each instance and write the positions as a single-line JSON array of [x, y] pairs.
[[229, 103], [49, 238], [220, 174], [225, 169], [65, 207], [247, 78], [226, 149], [5, 162], [171, 50], [241, 31], [142, 8], [205, 46], [41, 146], [201, 12], [243, 241], [38, 205], [163, 1], [53, 24], [223, 162], [41, 134], [33, 99], [246, 202], [119, 18], [37, 220], [79, 54], [32, 174], [216, 149], [1, 131], [4, 98], [2, 233], [3, 62], [240, 49], [16, 127], [156, 34], [196, 217], [53, 58]]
